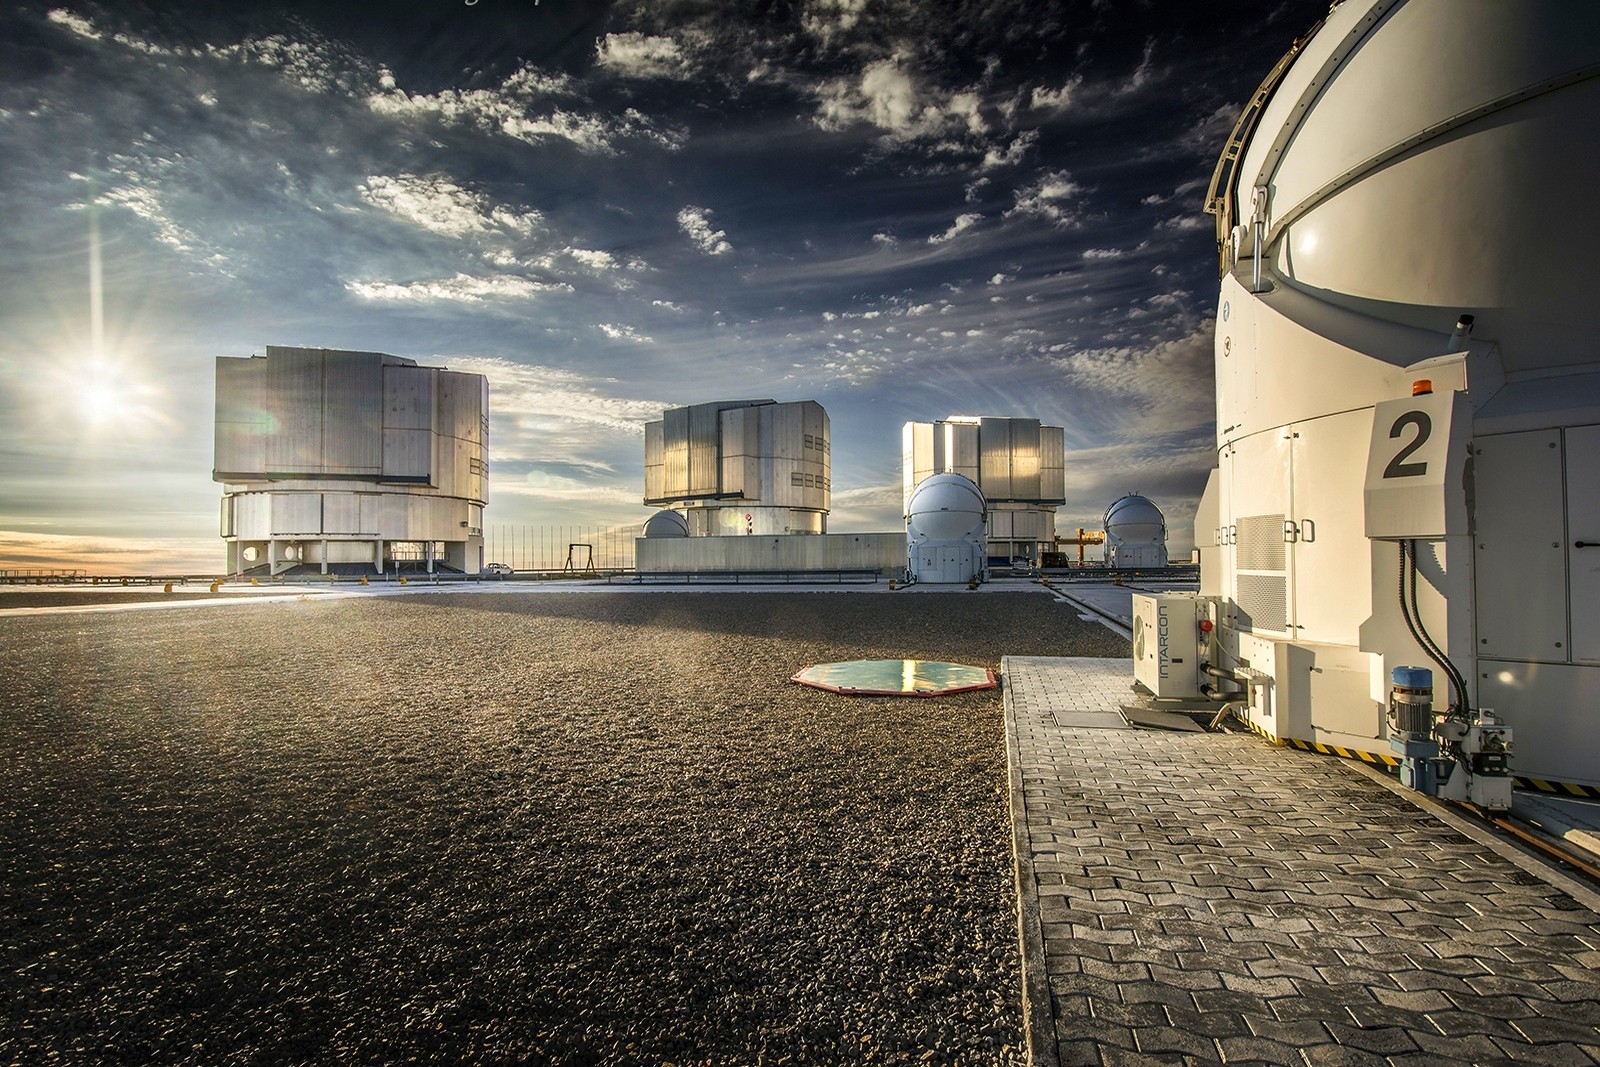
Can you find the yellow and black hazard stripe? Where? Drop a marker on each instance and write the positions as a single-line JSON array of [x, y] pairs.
[[1566, 789], [1381, 759]]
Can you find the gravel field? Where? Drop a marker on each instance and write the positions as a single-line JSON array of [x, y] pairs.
[[546, 828]]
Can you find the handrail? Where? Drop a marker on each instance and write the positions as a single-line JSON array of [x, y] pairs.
[[1221, 204]]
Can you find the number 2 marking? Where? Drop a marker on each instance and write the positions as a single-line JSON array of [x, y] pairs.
[[1397, 468]]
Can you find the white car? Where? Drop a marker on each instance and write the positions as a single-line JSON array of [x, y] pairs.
[[497, 570]]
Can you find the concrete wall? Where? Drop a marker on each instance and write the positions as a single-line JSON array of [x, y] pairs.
[[885, 552]]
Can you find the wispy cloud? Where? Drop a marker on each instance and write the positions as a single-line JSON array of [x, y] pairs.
[[441, 206], [1052, 197], [635, 55], [463, 288], [961, 225], [696, 222], [524, 107]]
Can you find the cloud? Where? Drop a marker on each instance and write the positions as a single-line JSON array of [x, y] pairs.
[[826, 20], [461, 289], [1101, 253], [962, 224], [1057, 99], [870, 507], [520, 108], [633, 55], [1163, 388], [76, 23], [696, 222], [886, 95], [1012, 154], [624, 333], [440, 206], [548, 415], [1052, 197]]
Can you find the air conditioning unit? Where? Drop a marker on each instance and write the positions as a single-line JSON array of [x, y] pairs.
[[1170, 643]]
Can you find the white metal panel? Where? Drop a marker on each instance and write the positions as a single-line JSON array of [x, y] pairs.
[[352, 415], [1333, 681], [654, 472], [994, 460], [408, 455], [918, 446], [293, 401], [384, 514], [1259, 472], [296, 514], [341, 513], [1415, 483], [1583, 525], [1332, 599], [252, 516], [408, 397], [1550, 707], [1052, 465], [242, 419], [961, 449], [1520, 558]]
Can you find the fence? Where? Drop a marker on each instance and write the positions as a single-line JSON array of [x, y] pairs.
[[548, 548]]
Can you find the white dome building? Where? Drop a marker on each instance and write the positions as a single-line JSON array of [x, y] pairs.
[[1136, 534], [946, 530]]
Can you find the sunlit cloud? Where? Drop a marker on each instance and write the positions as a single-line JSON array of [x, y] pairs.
[[441, 206], [463, 288], [962, 224], [696, 222], [1052, 197], [635, 55]]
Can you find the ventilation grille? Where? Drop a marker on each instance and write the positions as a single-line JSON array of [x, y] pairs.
[[1260, 546], [1264, 600]]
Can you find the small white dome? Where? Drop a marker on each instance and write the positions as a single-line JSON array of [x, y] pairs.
[[1135, 520], [947, 507], [666, 524]]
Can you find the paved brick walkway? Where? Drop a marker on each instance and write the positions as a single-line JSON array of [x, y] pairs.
[[1209, 898]]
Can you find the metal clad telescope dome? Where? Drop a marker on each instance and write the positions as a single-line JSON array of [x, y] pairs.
[[947, 530], [1136, 533], [947, 506], [666, 523]]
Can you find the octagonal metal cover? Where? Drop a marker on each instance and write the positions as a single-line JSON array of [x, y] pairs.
[[896, 677]]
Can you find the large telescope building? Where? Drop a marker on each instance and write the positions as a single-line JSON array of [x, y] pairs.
[[352, 462], [741, 467], [1018, 464]]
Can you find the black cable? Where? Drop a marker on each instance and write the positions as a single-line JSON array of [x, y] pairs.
[[1419, 632], [1457, 682]]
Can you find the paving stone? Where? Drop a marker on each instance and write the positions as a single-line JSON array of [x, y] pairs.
[[1339, 1056], [1302, 1033], [1171, 1040], [1541, 1031], [1559, 1055], [1385, 1041], [1235, 1049], [1116, 1057]]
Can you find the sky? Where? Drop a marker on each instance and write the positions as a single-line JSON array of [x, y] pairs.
[[902, 209]]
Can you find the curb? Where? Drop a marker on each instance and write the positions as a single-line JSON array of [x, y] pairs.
[[1038, 1009]]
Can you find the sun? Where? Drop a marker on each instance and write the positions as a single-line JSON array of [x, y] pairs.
[[101, 403], [100, 397]]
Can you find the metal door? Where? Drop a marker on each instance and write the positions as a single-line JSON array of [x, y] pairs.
[[1583, 529]]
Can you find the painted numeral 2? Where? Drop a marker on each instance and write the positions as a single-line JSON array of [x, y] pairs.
[[1397, 467]]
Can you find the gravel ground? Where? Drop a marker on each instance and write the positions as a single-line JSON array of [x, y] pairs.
[[547, 828]]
